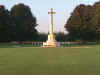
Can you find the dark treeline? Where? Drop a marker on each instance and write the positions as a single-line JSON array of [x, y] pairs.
[[18, 24], [84, 23]]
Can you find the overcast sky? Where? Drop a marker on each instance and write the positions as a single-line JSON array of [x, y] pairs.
[[40, 9]]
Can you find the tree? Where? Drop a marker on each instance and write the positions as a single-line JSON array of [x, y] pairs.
[[61, 37], [42, 37], [80, 25], [96, 19], [24, 23], [4, 24]]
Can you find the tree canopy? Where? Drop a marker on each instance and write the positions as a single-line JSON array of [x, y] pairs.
[[24, 21], [4, 24], [84, 24], [18, 24]]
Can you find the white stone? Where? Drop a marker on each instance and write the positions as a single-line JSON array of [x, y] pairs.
[[51, 42]]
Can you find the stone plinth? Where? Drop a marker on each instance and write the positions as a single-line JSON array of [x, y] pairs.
[[50, 42]]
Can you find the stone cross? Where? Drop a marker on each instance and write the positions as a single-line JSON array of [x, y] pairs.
[[51, 42], [51, 26]]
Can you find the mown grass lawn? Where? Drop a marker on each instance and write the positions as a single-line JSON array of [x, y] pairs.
[[50, 61]]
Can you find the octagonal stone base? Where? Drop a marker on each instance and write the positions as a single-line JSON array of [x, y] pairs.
[[50, 42]]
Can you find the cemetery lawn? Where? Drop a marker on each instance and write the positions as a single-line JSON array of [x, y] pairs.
[[50, 61]]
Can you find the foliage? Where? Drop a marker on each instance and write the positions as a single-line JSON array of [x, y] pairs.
[[80, 25], [24, 22], [96, 19], [42, 37], [18, 24], [4, 24], [61, 37]]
